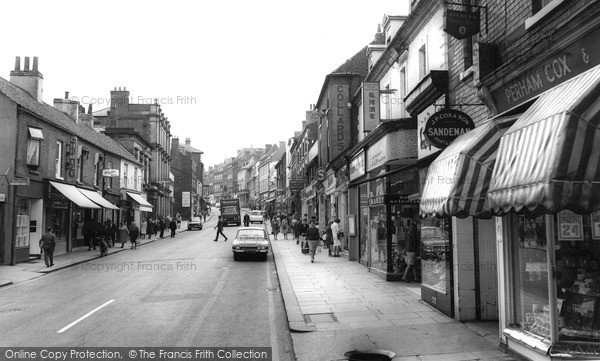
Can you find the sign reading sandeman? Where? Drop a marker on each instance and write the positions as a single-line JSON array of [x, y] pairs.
[[446, 125]]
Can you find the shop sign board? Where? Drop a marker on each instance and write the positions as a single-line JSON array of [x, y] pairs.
[[296, 184], [570, 226], [110, 173], [446, 125], [377, 154], [576, 58], [392, 199], [370, 103], [19, 182], [461, 24], [2, 197], [321, 172], [185, 199], [357, 166]]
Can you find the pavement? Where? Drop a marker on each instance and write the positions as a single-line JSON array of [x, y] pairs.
[[335, 306], [35, 268]]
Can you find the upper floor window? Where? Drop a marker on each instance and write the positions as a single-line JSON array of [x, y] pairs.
[[540, 4], [59, 157], [109, 165], [135, 178], [125, 176], [83, 156], [34, 144], [423, 61]]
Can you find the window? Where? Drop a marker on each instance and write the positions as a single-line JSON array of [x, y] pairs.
[[540, 4], [83, 155], [540, 9], [33, 146], [135, 178], [423, 61], [58, 166], [125, 179]]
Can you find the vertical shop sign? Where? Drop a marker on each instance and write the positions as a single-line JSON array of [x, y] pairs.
[[370, 101]]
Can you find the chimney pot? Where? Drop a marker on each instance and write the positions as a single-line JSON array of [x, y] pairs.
[[35, 63], [18, 63], [66, 95], [26, 67], [378, 28], [89, 108]]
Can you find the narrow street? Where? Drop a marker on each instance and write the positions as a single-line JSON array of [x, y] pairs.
[[174, 292]]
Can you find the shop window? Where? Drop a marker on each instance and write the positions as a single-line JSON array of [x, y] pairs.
[[33, 147], [59, 158], [364, 222], [22, 222], [436, 253], [531, 298], [577, 254]]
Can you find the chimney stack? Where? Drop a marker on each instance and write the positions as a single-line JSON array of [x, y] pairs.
[[69, 107], [89, 108], [379, 28], [66, 95], [188, 142], [29, 80]]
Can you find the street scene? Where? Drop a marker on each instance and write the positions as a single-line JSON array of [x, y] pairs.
[[408, 180]]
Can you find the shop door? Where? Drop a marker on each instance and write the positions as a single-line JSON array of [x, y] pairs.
[[36, 225], [488, 275]]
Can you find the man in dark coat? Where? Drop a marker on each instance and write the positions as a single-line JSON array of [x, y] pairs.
[[246, 220], [162, 227], [88, 230], [150, 228], [219, 228], [173, 227], [47, 244]]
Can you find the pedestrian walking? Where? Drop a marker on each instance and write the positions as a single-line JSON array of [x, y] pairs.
[[88, 229], [313, 238], [143, 229], [219, 228], [298, 231], [275, 226], [150, 228], [246, 220], [173, 225], [156, 226], [412, 246], [123, 234], [329, 238], [114, 231], [285, 227], [162, 225], [335, 235], [108, 232], [47, 245], [178, 218], [134, 233]]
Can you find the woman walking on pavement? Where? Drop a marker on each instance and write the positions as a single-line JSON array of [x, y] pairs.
[[335, 235], [123, 234], [313, 238], [150, 228], [275, 226], [284, 227], [329, 238], [143, 229], [134, 232]]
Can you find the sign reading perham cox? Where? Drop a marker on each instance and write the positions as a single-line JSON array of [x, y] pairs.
[[446, 125]]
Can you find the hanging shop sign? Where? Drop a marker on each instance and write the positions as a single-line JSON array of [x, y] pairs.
[[321, 172], [110, 173], [446, 125], [570, 226], [461, 24], [371, 103], [296, 184]]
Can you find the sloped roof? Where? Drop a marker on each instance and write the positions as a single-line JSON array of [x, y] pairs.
[[62, 120], [358, 64]]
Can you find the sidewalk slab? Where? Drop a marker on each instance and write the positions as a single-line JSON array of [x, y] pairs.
[[335, 306]]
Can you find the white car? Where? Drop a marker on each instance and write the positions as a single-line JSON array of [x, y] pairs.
[[256, 216]]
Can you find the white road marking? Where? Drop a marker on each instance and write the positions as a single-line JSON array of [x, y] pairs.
[[83, 317], [272, 324]]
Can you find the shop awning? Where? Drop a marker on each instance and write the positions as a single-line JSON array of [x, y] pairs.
[[98, 199], [458, 180], [549, 160], [144, 205], [74, 195]]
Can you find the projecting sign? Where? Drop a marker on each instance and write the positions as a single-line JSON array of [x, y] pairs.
[[461, 24], [321, 172], [370, 105], [446, 125], [110, 173]]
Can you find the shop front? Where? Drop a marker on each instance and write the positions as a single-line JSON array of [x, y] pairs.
[[310, 204], [29, 207], [546, 187], [135, 208]]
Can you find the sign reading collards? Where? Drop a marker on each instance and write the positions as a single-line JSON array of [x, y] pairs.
[[446, 125]]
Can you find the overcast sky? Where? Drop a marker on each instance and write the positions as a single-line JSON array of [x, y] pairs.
[[230, 74]]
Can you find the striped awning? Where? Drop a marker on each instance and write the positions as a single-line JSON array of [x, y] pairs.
[[458, 180], [549, 160]]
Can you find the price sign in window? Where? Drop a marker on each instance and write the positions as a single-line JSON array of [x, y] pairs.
[[596, 225], [570, 226]]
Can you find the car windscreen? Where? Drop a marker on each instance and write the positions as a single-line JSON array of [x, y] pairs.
[[251, 233], [195, 219], [256, 213], [229, 210]]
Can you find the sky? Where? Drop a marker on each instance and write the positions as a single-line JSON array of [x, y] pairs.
[[228, 74]]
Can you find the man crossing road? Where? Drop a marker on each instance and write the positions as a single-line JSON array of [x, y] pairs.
[[219, 228]]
